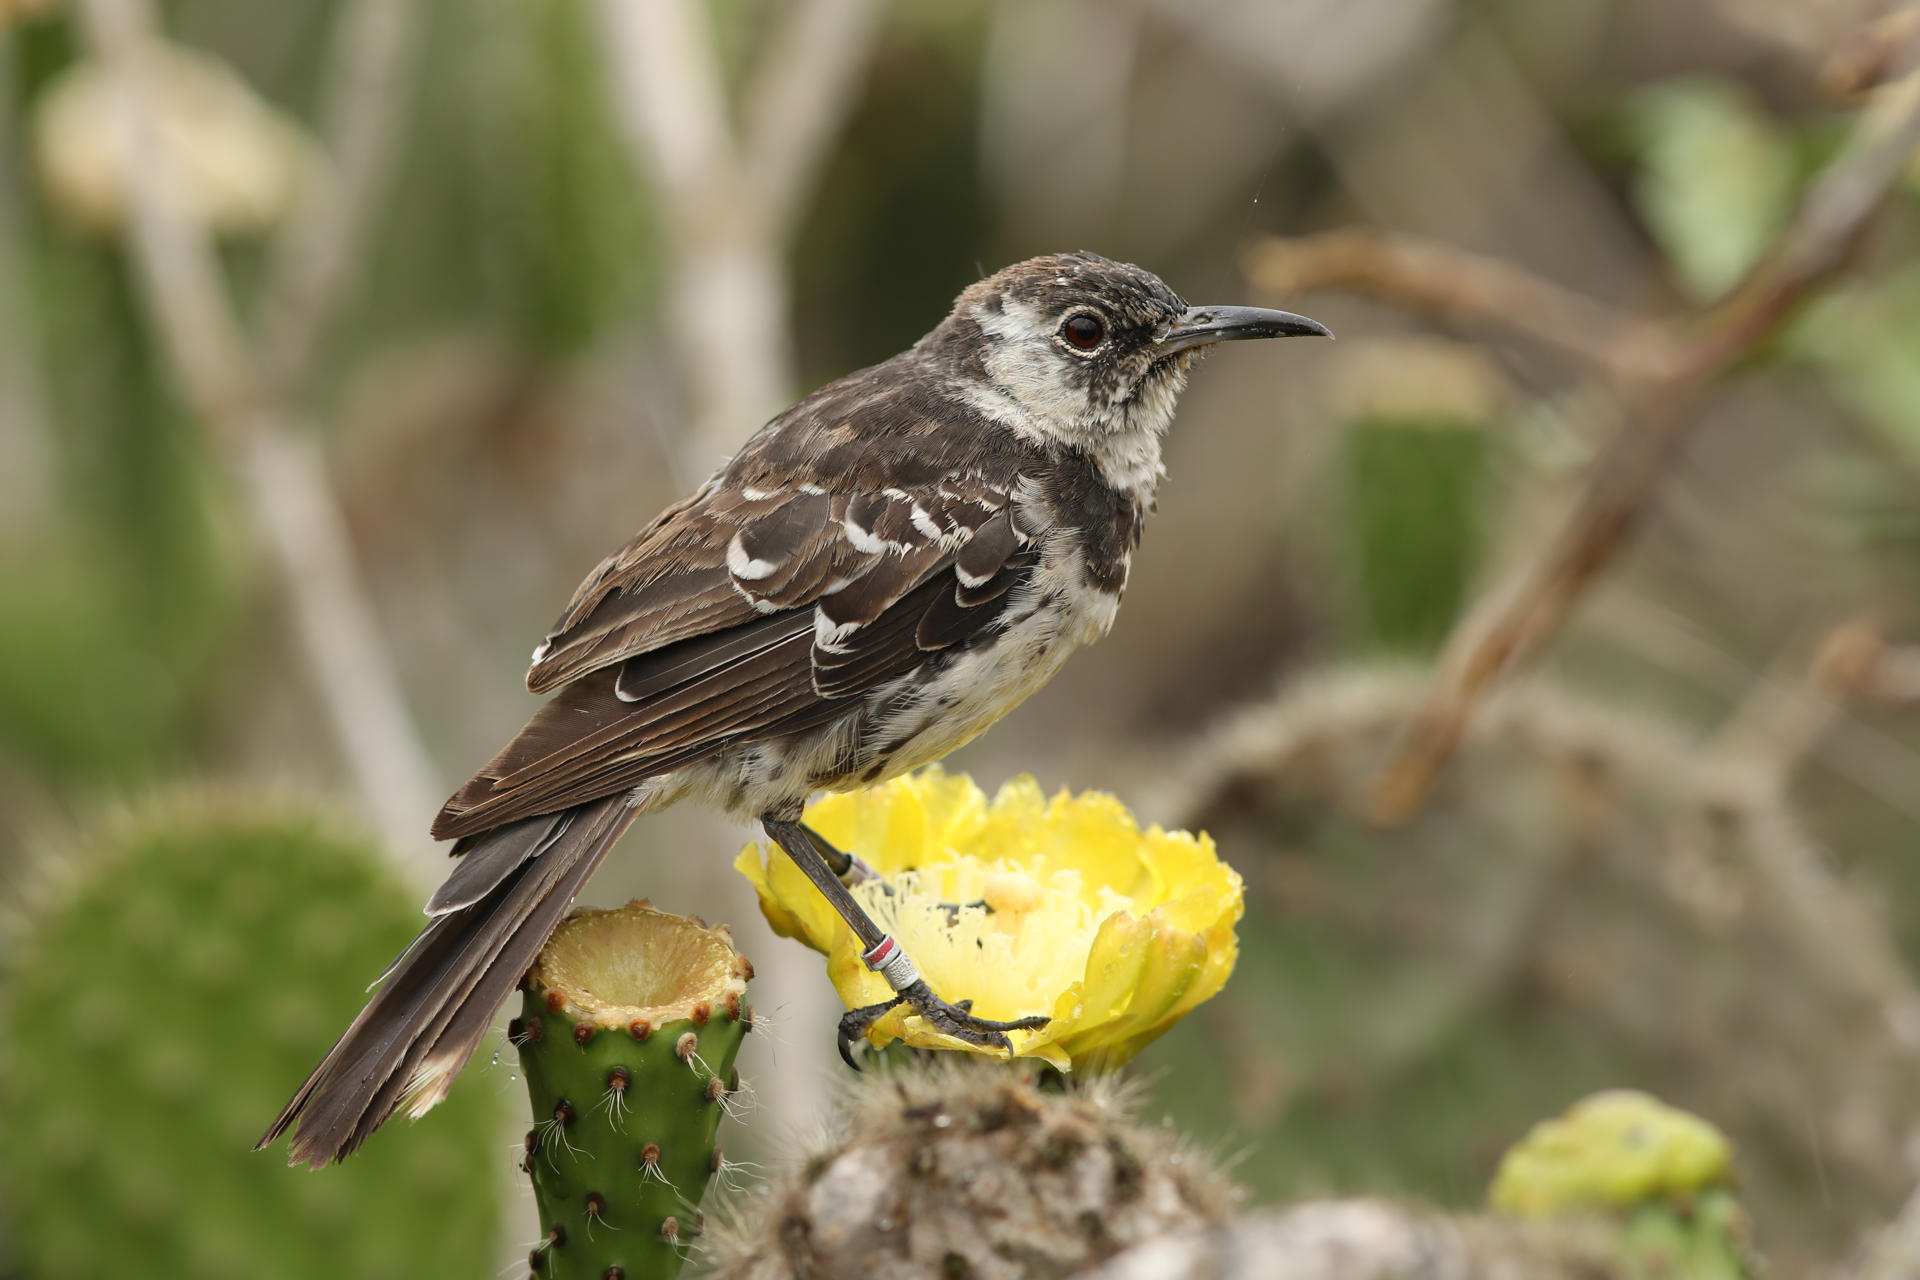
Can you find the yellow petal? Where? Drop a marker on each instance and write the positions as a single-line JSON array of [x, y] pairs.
[[1114, 963], [790, 912], [886, 826], [1172, 962], [956, 810]]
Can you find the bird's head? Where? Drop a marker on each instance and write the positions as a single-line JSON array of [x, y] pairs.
[[1081, 349]]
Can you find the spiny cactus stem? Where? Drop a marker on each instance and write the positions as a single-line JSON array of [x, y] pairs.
[[629, 1026]]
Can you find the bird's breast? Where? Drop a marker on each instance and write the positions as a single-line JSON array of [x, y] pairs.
[[1059, 609]]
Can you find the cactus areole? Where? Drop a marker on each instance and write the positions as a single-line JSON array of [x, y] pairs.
[[630, 1024]]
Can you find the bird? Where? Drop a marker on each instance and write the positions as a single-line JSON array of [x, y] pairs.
[[879, 573]]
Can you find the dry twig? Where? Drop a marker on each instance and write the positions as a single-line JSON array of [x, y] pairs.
[[1456, 285], [731, 198], [315, 256], [26, 454], [1658, 374], [1895, 1251], [284, 476]]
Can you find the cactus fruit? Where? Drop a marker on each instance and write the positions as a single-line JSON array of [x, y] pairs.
[[973, 1169], [1658, 1172], [629, 1027], [165, 988], [1612, 1149]]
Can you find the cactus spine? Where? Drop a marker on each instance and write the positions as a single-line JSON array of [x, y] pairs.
[[629, 1027], [972, 1169]]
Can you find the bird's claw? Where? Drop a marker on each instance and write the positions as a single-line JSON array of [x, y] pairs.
[[944, 1016]]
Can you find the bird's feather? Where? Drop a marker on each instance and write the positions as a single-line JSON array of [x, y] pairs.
[[818, 598]]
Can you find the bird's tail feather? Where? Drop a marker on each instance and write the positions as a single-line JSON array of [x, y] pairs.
[[435, 1004]]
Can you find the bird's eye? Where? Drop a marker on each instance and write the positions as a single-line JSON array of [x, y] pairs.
[[1084, 331]]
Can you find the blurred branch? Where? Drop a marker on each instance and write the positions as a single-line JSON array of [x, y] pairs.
[[26, 453], [317, 253], [1853, 662], [1454, 285], [1784, 717], [795, 107], [1895, 1251], [285, 480], [1790, 711], [1520, 615], [730, 201]]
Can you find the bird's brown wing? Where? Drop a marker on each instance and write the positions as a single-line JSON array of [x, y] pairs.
[[744, 616]]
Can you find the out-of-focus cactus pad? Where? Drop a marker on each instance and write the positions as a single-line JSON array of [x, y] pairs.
[[170, 986]]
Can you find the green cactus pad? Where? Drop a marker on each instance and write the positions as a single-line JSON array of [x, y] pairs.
[[1413, 505], [1700, 1237], [1613, 1150], [169, 986], [630, 1024]]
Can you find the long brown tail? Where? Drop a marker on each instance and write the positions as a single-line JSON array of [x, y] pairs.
[[435, 1004]]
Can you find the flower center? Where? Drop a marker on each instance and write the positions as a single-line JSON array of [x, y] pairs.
[[1011, 939]]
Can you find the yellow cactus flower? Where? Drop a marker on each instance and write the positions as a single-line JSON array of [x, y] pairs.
[[1612, 1150], [1112, 932]]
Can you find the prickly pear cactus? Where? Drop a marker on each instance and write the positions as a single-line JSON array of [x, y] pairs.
[[168, 987], [1412, 486], [1663, 1177], [973, 1168], [628, 1033]]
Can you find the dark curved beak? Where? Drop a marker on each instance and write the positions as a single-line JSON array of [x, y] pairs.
[[1202, 326]]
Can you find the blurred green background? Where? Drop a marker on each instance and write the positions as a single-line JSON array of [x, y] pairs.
[[1682, 855]]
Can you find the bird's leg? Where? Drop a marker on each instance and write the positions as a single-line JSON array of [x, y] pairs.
[[851, 870], [847, 868], [884, 956]]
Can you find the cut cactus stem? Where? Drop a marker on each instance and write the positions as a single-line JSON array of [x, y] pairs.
[[629, 1026]]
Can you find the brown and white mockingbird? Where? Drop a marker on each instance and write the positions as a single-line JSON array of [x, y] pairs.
[[884, 570]]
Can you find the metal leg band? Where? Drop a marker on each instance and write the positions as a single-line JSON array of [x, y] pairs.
[[889, 960]]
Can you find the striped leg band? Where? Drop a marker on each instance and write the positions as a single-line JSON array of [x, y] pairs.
[[889, 960]]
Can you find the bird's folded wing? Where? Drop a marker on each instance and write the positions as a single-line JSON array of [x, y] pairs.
[[746, 616]]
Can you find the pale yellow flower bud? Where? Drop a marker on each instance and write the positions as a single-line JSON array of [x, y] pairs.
[[236, 162]]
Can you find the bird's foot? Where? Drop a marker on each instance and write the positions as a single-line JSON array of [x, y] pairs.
[[950, 1019]]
